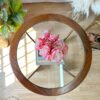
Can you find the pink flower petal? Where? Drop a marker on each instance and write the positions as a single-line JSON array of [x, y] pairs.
[[65, 49], [51, 47], [41, 40], [44, 51], [53, 37], [46, 34]]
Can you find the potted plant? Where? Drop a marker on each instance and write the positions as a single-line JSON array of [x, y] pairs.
[[11, 18]]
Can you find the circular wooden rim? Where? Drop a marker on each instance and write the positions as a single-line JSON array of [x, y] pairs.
[[53, 91]]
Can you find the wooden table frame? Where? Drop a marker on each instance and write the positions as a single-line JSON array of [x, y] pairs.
[[53, 91]]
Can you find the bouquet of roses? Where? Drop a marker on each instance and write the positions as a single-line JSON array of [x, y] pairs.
[[51, 47]]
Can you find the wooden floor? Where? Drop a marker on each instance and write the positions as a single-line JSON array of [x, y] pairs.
[[90, 87]]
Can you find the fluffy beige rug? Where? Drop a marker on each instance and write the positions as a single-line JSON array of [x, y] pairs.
[[85, 6]]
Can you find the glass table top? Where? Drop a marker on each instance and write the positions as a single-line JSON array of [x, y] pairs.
[[55, 75]]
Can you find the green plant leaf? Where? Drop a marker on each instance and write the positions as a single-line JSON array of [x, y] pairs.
[[23, 12], [2, 2], [5, 31], [15, 5], [1, 18], [0, 30], [5, 14], [1, 15], [11, 16], [11, 28], [18, 19], [17, 27]]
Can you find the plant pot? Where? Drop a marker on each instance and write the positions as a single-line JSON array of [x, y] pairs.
[[3, 42], [6, 42]]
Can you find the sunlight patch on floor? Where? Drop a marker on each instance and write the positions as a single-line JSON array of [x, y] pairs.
[[25, 55]]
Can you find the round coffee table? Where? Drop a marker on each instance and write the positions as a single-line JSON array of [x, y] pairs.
[[57, 81]]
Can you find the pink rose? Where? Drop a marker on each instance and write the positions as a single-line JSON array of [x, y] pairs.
[[51, 47], [59, 44], [44, 51], [57, 55]]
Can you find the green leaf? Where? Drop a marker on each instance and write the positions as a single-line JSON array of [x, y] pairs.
[[23, 12], [2, 2], [5, 31], [5, 14], [15, 5], [11, 28], [0, 30], [18, 19], [1, 15], [17, 27]]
